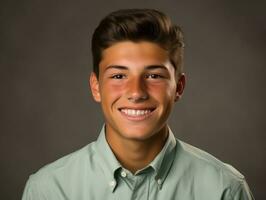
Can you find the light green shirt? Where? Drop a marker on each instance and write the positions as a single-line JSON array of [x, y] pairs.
[[179, 172]]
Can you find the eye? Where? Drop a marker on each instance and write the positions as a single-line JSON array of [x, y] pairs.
[[118, 76], [154, 76]]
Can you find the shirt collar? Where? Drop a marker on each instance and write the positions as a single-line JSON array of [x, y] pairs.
[[107, 159], [110, 165], [163, 161]]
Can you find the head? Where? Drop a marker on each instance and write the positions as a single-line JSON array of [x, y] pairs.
[[137, 78], [138, 25]]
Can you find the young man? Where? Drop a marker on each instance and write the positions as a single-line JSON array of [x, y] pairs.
[[137, 78]]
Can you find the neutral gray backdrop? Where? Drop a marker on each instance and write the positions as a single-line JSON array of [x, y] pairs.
[[46, 109]]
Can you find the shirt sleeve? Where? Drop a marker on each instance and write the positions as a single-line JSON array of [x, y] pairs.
[[243, 192]]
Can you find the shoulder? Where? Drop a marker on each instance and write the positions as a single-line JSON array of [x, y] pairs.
[[67, 165], [205, 166], [57, 179]]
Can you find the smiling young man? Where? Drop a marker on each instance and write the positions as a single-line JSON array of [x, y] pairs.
[[137, 78], [137, 87]]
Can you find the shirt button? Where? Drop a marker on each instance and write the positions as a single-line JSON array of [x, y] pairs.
[[112, 183], [159, 181], [123, 174]]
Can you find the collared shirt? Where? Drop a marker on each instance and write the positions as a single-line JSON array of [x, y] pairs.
[[179, 172]]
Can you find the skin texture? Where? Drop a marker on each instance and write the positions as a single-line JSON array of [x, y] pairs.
[[136, 76]]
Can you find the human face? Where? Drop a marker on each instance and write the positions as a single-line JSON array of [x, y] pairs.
[[137, 88]]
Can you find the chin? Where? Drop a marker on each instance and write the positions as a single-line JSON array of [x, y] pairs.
[[138, 134]]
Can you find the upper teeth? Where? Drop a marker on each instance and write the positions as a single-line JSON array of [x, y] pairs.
[[133, 112]]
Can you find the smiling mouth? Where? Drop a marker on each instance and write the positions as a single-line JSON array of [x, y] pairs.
[[136, 113]]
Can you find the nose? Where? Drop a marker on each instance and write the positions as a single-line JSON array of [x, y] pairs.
[[137, 91]]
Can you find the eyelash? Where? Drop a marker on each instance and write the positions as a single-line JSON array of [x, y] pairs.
[[152, 76], [118, 76]]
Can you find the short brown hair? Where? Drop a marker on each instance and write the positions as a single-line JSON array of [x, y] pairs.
[[138, 25]]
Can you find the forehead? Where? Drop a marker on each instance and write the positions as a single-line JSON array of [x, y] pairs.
[[137, 53]]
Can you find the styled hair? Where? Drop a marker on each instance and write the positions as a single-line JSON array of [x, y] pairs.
[[138, 25]]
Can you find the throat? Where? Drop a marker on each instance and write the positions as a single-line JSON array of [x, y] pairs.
[[135, 155]]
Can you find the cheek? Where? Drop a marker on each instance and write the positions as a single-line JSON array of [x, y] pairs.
[[164, 92], [111, 91]]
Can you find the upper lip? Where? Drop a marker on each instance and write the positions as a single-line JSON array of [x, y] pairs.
[[137, 108]]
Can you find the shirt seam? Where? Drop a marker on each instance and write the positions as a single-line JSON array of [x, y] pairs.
[[232, 194]]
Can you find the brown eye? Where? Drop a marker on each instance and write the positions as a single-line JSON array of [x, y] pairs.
[[154, 76], [118, 76]]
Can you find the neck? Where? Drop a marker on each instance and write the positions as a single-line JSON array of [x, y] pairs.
[[136, 154]]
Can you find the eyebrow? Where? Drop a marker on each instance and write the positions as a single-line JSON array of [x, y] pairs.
[[149, 67], [116, 67], [153, 67]]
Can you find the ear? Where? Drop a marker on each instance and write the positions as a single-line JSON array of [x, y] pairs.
[[95, 89], [180, 86]]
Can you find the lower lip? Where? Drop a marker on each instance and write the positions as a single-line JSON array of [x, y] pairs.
[[136, 118]]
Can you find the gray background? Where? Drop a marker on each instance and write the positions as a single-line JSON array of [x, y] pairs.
[[46, 109]]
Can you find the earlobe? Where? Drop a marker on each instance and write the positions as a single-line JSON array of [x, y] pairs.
[[180, 86], [94, 85]]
